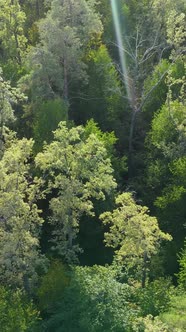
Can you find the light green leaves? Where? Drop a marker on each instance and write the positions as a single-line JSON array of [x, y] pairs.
[[78, 168], [19, 216], [133, 233]]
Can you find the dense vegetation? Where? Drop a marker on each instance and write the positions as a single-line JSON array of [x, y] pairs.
[[93, 166]]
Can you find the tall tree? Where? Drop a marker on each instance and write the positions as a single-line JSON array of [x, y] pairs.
[[79, 170], [141, 51], [133, 234], [57, 61], [12, 38], [20, 219]]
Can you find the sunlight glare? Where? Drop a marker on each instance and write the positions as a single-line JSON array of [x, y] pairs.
[[120, 45]]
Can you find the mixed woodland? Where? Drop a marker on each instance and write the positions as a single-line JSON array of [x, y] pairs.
[[92, 166]]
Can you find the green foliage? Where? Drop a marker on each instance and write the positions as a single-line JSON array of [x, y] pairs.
[[182, 263], [167, 133], [151, 324], [6, 96], [19, 216], [166, 164], [12, 39], [155, 297], [34, 10], [176, 32], [52, 287], [158, 94], [166, 174], [17, 313], [80, 170], [175, 317], [57, 61], [133, 234], [95, 301], [55, 48], [106, 18], [9, 97], [108, 139], [103, 94], [46, 119]]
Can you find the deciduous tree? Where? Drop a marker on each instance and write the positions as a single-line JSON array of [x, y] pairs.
[[133, 234], [20, 219], [79, 170], [12, 38]]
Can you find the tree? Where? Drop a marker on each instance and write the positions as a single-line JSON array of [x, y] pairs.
[[133, 234], [165, 173], [101, 98], [79, 170], [57, 61], [139, 52], [9, 96], [20, 220], [12, 38]]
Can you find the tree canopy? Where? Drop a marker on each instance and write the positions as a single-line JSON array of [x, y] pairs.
[[92, 165]]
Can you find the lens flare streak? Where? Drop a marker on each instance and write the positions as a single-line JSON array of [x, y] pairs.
[[122, 56]]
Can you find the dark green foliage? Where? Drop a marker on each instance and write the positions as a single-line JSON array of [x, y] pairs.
[[166, 169], [52, 287], [101, 99], [95, 301], [159, 94], [155, 298], [46, 118]]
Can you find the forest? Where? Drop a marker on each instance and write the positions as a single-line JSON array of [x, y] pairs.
[[92, 166]]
